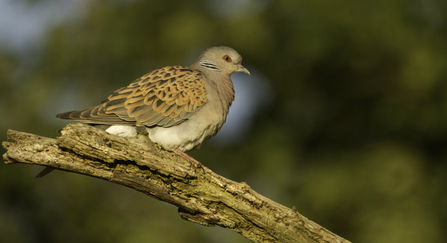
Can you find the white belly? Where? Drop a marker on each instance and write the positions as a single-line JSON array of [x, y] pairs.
[[184, 136]]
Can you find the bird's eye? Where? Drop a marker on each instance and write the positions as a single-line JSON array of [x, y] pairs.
[[227, 58]]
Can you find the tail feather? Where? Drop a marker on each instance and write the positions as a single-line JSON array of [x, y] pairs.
[[94, 115], [44, 172]]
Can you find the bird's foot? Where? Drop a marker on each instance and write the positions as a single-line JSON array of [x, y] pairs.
[[187, 157], [141, 129]]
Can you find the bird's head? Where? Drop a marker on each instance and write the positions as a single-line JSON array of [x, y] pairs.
[[222, 59]]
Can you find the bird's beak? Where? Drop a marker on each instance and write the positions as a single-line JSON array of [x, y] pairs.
[[241, 68]]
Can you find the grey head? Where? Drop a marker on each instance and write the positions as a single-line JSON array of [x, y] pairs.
[[220, 59]]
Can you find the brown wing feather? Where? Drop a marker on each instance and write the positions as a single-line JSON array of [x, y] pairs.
[[94, 115], [164, 97]]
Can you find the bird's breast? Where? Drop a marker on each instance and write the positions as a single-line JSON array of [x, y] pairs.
[[192, 132]]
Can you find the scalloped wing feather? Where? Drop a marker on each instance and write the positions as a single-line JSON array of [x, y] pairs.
[[165, 97]]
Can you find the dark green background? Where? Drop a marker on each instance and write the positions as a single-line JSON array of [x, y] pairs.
[[352, 130]]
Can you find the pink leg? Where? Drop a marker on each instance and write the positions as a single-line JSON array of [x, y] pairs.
[[187, 157]]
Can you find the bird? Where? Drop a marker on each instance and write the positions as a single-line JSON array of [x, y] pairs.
[[179, 106]]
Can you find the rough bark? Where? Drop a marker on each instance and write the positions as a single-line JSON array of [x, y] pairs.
[[201, 195]]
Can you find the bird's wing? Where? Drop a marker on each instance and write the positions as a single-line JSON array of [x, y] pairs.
[[165, 97]]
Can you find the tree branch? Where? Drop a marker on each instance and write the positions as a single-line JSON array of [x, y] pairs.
[[201, 195]]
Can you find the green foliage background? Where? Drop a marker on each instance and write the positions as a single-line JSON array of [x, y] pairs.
[[354, 134]]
